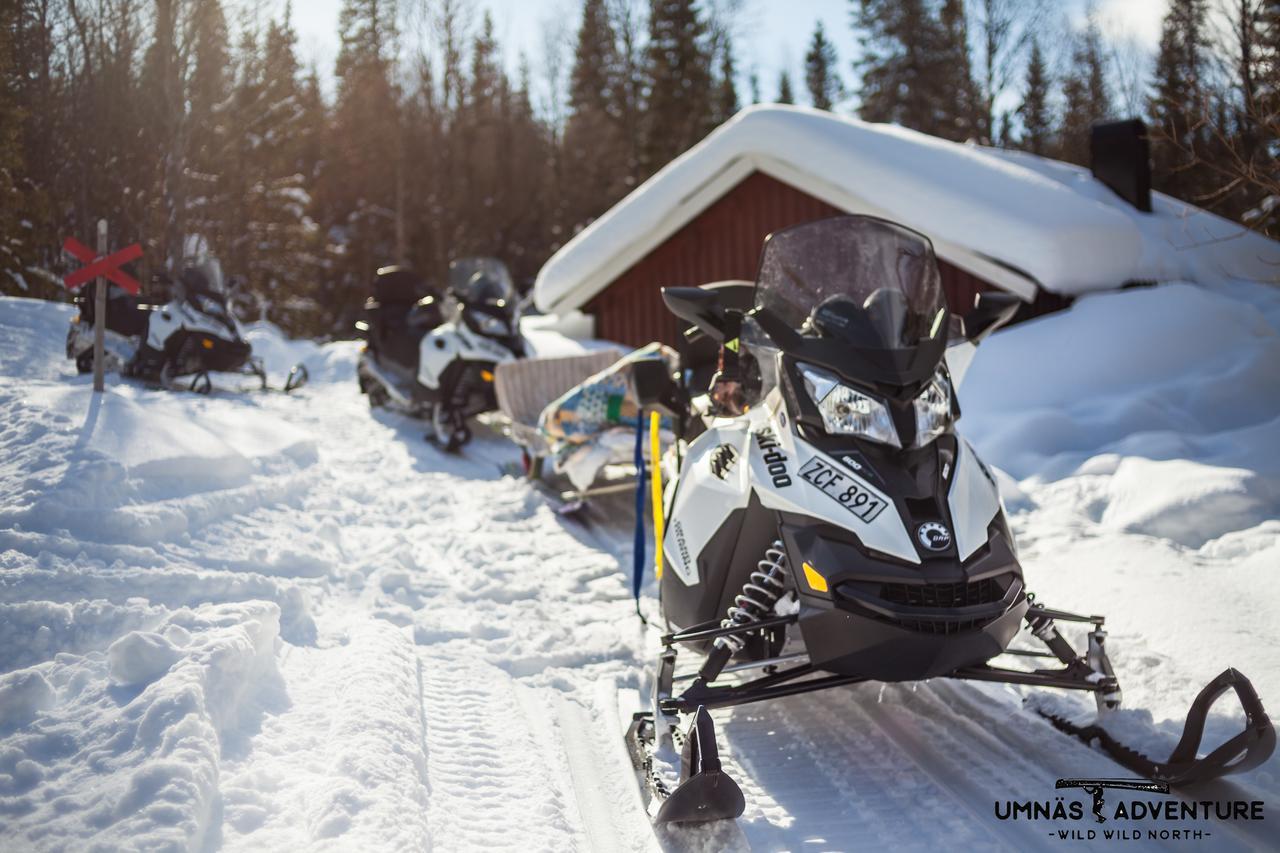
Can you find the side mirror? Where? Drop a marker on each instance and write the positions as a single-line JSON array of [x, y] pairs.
[[991, 310], [652, 381], [700, 307]]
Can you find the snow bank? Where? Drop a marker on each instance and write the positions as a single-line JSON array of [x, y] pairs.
[[33, 336], [1169, 372], [332, 362], [1187, 502], [101, 764], [1049, 221], [130, 465]]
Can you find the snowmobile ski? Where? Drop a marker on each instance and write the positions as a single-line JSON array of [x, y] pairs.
[[704, 791], [1245, 751]]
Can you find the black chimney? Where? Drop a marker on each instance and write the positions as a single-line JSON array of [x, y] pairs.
[[1120, 157]]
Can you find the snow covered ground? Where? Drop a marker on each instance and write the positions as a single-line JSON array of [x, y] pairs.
[[264, 622]]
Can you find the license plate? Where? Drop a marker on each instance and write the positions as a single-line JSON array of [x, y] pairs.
[[842, 489]]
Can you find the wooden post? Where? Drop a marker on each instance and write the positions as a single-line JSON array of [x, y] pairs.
[[100, 316]]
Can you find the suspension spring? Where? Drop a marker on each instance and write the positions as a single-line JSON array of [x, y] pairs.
[[759, 595]]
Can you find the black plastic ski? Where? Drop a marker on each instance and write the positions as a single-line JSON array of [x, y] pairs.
[[1245, 751]]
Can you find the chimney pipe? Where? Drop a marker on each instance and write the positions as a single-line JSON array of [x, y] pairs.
[[1120, 157]]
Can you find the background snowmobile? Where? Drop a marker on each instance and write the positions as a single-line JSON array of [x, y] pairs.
[[830, 527], [434, 357], [193, 334]]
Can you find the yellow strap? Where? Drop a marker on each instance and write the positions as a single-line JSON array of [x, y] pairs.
[[655, 462]]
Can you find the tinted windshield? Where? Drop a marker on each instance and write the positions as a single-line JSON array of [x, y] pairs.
[[204, 276], [481, 280], [857, 279]]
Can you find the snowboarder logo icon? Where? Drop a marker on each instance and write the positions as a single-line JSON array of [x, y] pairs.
[[934, 535]]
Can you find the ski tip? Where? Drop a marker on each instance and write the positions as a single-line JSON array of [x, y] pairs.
[[703, 798]]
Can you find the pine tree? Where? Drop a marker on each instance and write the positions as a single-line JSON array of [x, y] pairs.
[[1002, 33], [912, 73], [959, 110], [629, 96], [725, 103], [1036, 120], [820, 74], [282, 261], [479, 125], [215, 141], [523, 214], [679, 82], [12, 236], [785, 93], [360, 192], [1086, 96], [1180, 100], [166, 119], [593, 147]]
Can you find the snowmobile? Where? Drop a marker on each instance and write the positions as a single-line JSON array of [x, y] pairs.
[[433, 355], [828, 526], [193, 334]]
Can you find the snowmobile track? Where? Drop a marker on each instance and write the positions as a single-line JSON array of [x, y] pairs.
[[487, 771]]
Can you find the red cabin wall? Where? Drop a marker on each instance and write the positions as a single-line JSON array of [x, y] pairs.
[[723, 242]]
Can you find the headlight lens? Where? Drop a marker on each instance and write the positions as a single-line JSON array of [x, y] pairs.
[[933, 409], [489, 324], [846, 411]]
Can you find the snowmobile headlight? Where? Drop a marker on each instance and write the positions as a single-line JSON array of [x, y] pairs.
[[846, 411], [489, 324], [933, 409]]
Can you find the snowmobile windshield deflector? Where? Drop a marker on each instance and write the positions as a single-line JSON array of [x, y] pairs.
[[481, 280], [861, 281]]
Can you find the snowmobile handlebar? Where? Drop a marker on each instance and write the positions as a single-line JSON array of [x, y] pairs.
[[990, 311]]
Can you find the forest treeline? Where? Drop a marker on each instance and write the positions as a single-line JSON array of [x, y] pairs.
[[182, 126]]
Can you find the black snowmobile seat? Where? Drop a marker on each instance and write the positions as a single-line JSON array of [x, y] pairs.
[[126, 315], [400, 311], [399, 286]]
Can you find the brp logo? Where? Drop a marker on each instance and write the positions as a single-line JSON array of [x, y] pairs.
[[934, 535]]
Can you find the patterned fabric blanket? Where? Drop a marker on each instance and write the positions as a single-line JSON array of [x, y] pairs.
[[605, 401], [593, 425]]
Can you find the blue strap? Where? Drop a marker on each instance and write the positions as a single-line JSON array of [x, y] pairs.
[[642, 477]]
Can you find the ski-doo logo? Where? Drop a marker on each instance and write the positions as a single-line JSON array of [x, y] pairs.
[[774, 459], [934, 535], [722, 459]]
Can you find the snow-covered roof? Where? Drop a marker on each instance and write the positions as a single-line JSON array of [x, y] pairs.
[[1014, 219]]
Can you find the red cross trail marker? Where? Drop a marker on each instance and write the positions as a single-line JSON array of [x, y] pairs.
[[108, 267], [102, 267]]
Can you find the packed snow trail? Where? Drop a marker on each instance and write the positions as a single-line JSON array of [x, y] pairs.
[[268, 622]]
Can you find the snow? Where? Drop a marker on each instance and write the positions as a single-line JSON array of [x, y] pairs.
[[1001, 215], [258, 621]]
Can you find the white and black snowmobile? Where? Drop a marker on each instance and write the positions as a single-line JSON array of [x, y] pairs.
[[827, 526], [433, 355], [194, 334]]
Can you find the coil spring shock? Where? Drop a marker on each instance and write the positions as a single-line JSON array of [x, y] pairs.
[[756, 601]]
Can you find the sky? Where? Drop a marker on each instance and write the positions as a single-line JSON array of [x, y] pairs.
[[770, 35]]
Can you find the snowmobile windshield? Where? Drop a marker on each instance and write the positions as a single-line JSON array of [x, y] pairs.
[[204, 277], [482, 280], [856, 280]]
